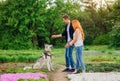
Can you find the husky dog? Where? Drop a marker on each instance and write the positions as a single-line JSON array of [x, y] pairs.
[[45, 59]]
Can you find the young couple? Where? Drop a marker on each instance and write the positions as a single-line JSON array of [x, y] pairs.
[[74, 35]]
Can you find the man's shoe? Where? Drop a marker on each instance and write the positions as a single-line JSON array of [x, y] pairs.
[[66, 70], [72, 70]]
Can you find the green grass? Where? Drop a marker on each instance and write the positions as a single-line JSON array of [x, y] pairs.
[[94, 55], [20, 70], [20, 52], [41, 79], [102, 48], [90, 54]]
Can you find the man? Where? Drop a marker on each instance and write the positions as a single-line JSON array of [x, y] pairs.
[[68, 33]]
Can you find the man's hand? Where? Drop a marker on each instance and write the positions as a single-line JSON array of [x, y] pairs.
[[56, 36], [67, 45], [53, 36]]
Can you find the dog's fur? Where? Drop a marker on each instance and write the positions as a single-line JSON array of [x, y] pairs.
[[45, 59]]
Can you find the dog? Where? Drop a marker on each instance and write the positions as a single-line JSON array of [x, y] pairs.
[[45, 59]]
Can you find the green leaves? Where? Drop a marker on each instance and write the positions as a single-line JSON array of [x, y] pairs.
[[115, 35], [22, 19], [30, 24]]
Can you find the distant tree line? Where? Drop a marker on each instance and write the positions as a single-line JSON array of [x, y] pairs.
[[30, 24]]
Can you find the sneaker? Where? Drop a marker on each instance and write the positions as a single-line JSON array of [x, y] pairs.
[[72, 70], [66, 70]]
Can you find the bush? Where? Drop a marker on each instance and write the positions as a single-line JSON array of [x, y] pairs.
[[4, 58], [102, 40], [18, 58], [88, 40], [115, 35], [22, 58], [103, 67]]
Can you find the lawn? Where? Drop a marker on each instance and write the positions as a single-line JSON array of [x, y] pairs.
[[96, 58]]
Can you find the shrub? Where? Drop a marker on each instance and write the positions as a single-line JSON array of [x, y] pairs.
[[4, 58], [33, 58], [103, 67], [101, 40], [13, 59], [22, 58], [115, 35], [88, 40], [18, 58]]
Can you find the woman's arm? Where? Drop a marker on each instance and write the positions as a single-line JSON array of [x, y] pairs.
[[74, 39]]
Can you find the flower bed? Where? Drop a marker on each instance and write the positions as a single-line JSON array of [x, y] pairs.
[[24, 76]]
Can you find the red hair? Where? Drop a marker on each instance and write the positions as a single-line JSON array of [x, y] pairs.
[[76, 25]]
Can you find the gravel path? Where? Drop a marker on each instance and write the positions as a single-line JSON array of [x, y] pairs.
[[95, 77], [58, 75]]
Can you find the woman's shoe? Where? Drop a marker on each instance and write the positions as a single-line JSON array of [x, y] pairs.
[[83, 71], [75, 72]]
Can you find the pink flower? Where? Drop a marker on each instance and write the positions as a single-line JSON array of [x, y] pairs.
[[15, 77]]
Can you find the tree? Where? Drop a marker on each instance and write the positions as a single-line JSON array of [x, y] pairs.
[[115, 32], [21, 22]]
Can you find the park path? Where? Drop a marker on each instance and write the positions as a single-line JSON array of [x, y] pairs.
[[58, 75]]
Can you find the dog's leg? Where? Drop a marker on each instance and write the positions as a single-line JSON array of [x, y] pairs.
[[48, 65], [42, 64], [51, 66]]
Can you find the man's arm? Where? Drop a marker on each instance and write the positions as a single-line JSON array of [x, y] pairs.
[[56, 36]]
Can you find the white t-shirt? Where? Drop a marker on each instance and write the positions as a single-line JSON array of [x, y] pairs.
[[68, 34]]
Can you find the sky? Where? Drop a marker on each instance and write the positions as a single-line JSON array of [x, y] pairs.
[[103, 3], [97, 1]]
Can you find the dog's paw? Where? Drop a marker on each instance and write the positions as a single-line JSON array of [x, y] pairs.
[[49, 70], [52, 69]]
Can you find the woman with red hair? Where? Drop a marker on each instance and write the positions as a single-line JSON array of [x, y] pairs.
[[78, 38]]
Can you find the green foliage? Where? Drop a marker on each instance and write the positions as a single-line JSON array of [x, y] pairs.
[[88, 40], [20, 70], [30, 24], [41, 79], [103, 67], [21, 80], [18, 58], [102, 40], [115, 35], [4, 58], [22, 21]]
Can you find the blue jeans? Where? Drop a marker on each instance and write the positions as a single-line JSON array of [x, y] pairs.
[[69, 58], [79, 61]]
